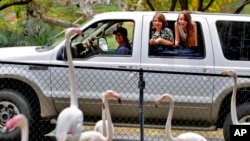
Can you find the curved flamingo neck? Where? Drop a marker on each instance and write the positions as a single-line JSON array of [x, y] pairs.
[[109, 131], [25, 133], [104, 122], [168, 123], [233, 102], [73, 99], [24, 129]]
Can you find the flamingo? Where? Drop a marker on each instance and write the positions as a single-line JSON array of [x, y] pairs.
[[182, 137], [101, 125], [21, 122], [70, 120], [234, 117], [97, 136]]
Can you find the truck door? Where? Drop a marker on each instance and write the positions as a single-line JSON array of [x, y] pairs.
[[102, 69], [192, 93]]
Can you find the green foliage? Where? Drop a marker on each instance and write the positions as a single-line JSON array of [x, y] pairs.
[[68, 13], [9, 38], [28, 31], [38, 33], [217, 5], [33, 32], [105, 8], [246, 9]]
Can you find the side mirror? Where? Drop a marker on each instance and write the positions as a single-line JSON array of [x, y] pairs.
[[102, 42]]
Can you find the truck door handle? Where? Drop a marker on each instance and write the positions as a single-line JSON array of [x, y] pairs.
[[122, 67]]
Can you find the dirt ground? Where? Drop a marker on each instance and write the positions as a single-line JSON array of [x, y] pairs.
[[131, 133]]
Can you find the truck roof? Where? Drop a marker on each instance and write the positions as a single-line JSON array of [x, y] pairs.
[[150, 13]]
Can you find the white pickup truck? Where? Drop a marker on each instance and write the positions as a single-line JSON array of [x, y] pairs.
[[34, 80]]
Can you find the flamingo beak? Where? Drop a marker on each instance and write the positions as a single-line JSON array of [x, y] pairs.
[[119, 100], [156, 106]]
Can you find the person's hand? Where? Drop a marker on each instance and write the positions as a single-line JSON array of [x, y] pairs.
[[95, 46], [158, 41], [152, 41]]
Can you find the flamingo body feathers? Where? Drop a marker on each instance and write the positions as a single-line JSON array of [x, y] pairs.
[[182, 137], [97, 136], [100, 128]]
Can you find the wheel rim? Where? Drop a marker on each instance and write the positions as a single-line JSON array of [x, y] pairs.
[[245, 119], [7, 111]]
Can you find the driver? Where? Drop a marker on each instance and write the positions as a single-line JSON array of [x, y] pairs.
[[121, 37]]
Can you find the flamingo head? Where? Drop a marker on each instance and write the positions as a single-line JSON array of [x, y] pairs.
[[229, 73], [163, 98], [71, 31], [16, 121], [111, 94]]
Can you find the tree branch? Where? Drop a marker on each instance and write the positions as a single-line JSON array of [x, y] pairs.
[[208, 5], [34, 13], [21, 2], [239, 9], [150, 5]]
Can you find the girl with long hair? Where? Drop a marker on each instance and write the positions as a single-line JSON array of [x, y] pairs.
[[185, 30]]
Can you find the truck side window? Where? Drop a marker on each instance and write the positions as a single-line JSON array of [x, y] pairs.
[[181, 52], [102, 39], [235, 39]]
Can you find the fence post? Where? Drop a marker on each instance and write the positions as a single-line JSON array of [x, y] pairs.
[[141, 86]]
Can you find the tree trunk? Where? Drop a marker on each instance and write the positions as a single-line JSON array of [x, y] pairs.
[[200, 5], [119, 4], [184, 4], [173, 5]]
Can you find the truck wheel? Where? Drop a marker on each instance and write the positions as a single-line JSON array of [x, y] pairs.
[[12, 103], [243, 113]]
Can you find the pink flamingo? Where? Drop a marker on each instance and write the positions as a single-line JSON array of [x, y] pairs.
[[97, 136], [70, 120], [233, 99], [101, 125], [21, 122], [182, 137]]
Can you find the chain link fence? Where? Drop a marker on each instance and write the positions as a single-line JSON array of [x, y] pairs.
[[201, 100]]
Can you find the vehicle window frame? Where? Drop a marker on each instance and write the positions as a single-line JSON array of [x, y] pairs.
[[108, 24], [235, 44], [201, 43]]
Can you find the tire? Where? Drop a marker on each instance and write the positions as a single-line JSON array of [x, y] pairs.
[[42, 127], [12, 103], [243, 113]]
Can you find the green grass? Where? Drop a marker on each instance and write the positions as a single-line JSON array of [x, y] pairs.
[[65, 13], [105, 8], [246, 9]]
